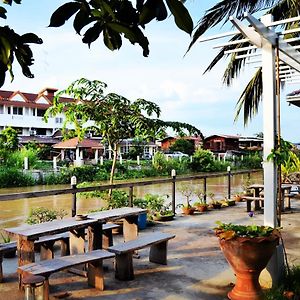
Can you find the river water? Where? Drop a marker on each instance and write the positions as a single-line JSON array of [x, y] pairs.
[[15, 212]]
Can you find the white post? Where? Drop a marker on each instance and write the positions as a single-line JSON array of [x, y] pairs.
[[96, 156], [54, 163], [62, 154], [109, 152], [26, 164], [270, 128], [138, 160], [101, 160], [121, 161], [77, 154]]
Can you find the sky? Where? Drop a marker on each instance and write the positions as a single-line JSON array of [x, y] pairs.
[[168, 77]]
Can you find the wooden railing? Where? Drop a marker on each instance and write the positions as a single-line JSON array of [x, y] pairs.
[[74, 189]]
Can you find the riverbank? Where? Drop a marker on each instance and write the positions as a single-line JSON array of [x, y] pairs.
[[196, 267]]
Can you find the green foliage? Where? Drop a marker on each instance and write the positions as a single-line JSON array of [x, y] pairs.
[[184, 146], [187, 190], [6, 239], [289, 287], [281, 153], [252, 161], [8, 139], [42, 214], [16, 159], [115, 20], [243, 230], [203, 161], [12, 177]]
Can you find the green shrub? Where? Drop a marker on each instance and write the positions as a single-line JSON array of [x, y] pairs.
[[12, 177], [42, 214], [289, 283], [16, 159], [203, 161]]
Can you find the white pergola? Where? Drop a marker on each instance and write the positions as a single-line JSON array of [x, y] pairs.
[[280, 59]]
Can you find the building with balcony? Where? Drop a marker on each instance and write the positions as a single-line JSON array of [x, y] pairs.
[[25, 111]]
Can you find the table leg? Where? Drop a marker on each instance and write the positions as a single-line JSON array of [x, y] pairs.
[[256, 202], [95, 237], [77, 241], [130, 228], [25, 251], [77, 246]]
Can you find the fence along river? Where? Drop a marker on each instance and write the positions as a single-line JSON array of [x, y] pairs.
[[16, 203]]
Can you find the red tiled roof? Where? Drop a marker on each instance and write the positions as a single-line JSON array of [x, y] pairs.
[[76, 143], [30, 98]]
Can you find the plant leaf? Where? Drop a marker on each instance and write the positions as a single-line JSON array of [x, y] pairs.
[[64, 13], [182, 17]]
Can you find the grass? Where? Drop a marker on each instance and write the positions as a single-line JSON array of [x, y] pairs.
[[289, 287]]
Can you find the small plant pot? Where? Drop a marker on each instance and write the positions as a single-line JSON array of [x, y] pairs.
[[164, 218], [238, 198], [231, 202], [217, 205], [188, 210], [202, 208]]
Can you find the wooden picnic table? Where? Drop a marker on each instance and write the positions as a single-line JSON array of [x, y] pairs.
[[258, 190], [27, 234]]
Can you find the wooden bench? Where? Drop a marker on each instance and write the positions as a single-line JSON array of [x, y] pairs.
[[46, 247], [46, 244], [249, 201], [47, 267], [124, 252]]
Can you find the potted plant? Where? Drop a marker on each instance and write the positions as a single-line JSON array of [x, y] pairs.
[[214, 203], [247, 248], [165, 214], [187, 192], [201, 204]]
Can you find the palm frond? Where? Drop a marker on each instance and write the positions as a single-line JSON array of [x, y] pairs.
[[250, 98]]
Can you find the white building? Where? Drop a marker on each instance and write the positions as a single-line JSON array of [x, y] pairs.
[[24, 112]]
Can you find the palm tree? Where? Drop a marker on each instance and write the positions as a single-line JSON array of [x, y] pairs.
[[251, 96]]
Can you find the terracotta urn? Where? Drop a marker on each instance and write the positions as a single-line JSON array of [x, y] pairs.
[[248, 257]]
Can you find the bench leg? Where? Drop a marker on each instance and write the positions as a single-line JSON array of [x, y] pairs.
[[107, 238], [130, 228], [1, 270], [249, 205], [124, 266], [46, 289], [47, 250], [64, 247], [256, 205], [158, 253], [95, 275]]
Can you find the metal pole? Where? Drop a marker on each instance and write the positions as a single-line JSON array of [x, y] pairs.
[[205, 188], [173, 174], [73, 186], [229, 182], [130, 196]]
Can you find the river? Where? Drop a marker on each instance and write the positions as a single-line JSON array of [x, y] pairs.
[[15, 212]]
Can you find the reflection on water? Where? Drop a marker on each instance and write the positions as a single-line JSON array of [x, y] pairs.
[[14, 212]]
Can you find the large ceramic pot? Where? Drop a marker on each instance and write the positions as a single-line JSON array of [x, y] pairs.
[[248, 257]]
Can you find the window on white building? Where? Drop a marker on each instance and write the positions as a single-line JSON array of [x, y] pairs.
[[58, 120], [18, 111], [8, 110], [1, 109], [40, 112]]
